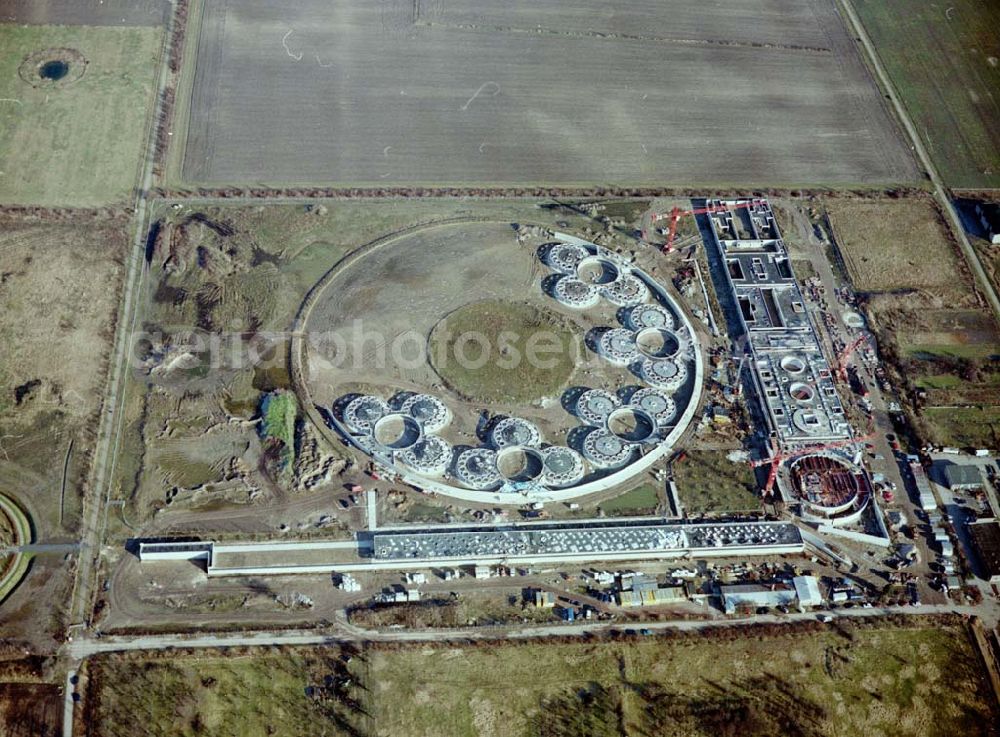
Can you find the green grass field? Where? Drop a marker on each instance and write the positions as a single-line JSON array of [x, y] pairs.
[[944, 60], [965, 427], [919, 680], [708, 482], [898, 682], [238, 697], [78, 143], [504, 351], [280, 411], [641, 500]]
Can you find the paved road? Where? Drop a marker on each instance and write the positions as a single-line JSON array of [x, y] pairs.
[[940, 190], [43, 548], [68, 702], [84, 647]]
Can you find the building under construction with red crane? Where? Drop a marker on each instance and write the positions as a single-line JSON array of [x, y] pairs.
[[792, 378], [809, 433]]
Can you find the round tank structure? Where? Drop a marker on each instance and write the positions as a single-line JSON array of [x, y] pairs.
[[597, 270], [656, 403], [429, 411], [477, 468], [430, 455], [566, 257], [594, 406], [520, 464], [812, 421], [626, 291], [577, 294], [618, 346], [646, 316], [828, 486], [793, 365], [361, 413], [664, 373], [396, 431], [514, 431], [632, 425], [562, 466], [605, 450], [658, 343]]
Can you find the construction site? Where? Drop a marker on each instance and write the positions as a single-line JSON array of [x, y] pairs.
[[495, 369], [624, 406], [813, 452]]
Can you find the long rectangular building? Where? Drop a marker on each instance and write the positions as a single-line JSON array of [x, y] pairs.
[[547, 542], [791, 375], [619, 540]]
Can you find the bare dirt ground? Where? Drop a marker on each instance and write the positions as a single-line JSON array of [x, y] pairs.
[[402, 92], [191, 461], [900, 245], [369, 326], [58, 305]]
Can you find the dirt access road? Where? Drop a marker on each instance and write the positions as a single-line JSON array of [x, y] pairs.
[[84, 647], [940, 192]]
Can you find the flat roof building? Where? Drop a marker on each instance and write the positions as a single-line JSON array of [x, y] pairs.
[[924, 493], [793, 381], [985, 536], [544, 599], [756, 595], [807, 591], [963, 476]]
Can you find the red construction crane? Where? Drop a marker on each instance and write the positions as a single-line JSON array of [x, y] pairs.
[[845, 356], [677, 213], [777, 458]]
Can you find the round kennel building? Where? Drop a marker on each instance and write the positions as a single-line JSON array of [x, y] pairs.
[[515, 431], [656, 403], [626, 291], [618, 346], [595, 405], [477, 468], [562, 466], [361, 413], [566, 257], [664, 373], [646, 316], [606, 450], [429, 411], [430, 455], [579, 295]]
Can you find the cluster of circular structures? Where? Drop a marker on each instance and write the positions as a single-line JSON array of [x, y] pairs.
[[829, 488], [650, 342], [403, 431], [619, 429], [655, 342], [588, 276], [406, 427]]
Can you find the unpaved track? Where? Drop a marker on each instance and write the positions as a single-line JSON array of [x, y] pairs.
[[112, 416], [940, 191], [343, 631]]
